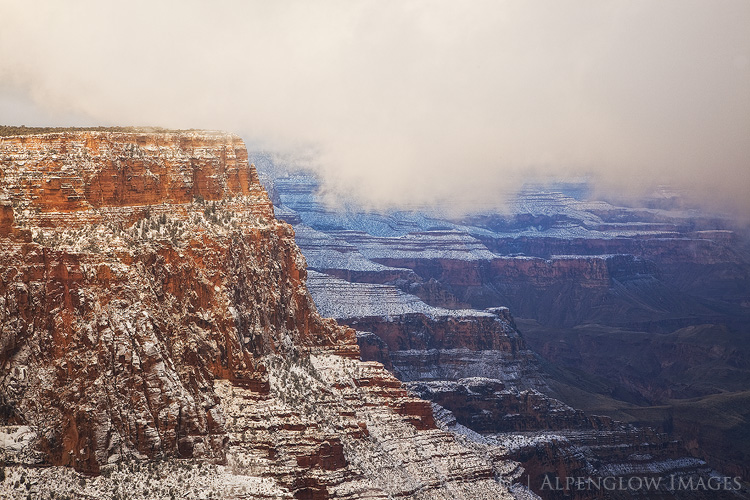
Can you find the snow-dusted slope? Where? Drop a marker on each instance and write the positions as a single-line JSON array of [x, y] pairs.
[[158, 335]]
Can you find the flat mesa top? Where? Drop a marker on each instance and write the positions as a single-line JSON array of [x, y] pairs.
[[11, 131]]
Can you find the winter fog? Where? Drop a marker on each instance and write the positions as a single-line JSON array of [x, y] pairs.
[[398, 103]]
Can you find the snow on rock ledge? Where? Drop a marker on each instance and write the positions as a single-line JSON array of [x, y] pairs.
[[152, 307]]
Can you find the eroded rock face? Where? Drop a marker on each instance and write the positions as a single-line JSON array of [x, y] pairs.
[[151, 306], [112, 332], [70, 171], [488, 406], [421, 342]]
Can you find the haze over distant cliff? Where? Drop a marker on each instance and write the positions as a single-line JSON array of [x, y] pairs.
[[402, 103]]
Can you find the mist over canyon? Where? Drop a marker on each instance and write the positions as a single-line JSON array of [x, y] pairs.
[[445, 250], [403, 103], [638, 313]]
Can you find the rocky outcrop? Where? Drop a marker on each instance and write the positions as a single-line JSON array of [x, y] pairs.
[[410, 323], [422, 342], [490, 406], [450, 330], [152, 307], [117, 329], [373, 348], [72, 171]]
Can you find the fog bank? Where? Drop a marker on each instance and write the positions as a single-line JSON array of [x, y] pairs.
[[410, 102]]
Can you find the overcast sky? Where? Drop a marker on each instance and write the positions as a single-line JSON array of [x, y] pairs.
[[401, 102]]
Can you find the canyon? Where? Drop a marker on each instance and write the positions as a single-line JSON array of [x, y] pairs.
[[179, 323], [619, 325]]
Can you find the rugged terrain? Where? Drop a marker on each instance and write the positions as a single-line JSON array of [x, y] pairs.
[[639, 314], [158, 341]]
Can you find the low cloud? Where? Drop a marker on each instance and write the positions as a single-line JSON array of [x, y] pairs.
[[400, 103]]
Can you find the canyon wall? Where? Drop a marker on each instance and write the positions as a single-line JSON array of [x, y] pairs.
[[152, 307]]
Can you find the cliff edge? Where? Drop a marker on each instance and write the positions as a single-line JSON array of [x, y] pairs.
[[152, 307]]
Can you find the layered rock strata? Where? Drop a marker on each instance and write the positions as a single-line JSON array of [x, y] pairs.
[[423, 342], [152, 307], [484, 383], [592, 283]]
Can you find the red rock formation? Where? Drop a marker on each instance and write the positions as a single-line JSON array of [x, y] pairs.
[[587, 272], [159, 319], [6, 217], [373, 348], [150, 317], [147, 299], [119, 169]]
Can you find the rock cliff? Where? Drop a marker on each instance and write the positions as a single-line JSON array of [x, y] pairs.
[[151, 307]]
